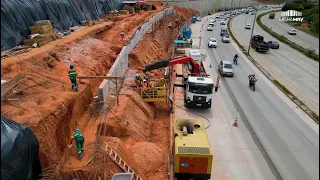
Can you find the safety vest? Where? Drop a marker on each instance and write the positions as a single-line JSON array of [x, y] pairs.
[[144, 85], [78, 136], [72, 74]]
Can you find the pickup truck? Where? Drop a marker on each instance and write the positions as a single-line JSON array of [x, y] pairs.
[[271, 16], [258, 43]]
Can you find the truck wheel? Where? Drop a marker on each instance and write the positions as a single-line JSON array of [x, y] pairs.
[[186, 104]]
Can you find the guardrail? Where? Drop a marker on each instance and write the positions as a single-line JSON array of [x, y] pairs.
[[121, 63]]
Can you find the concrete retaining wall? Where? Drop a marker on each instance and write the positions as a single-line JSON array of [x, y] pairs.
[[120, 65]]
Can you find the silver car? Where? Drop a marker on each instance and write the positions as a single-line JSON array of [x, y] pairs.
[[225, 68], [226, 39]]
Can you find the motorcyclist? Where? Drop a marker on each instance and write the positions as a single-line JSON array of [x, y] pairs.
[[235, 58], [252, 79]]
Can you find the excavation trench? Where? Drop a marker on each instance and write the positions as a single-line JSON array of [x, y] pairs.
[[137, 131]]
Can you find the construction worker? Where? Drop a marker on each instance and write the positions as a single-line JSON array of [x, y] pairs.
[[191, 43], [138, 80], [161, 83], [144, 84], [152, 83], [79, 140], [146, 77], [73, 77]]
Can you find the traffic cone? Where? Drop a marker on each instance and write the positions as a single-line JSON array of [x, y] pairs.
[[235, 124]]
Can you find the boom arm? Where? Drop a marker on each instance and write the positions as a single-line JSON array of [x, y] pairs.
[[171, 62]]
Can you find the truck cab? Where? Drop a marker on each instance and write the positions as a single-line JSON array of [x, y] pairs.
[[198, 92]]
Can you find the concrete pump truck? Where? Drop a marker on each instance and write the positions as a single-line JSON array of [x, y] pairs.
[[197, 86]]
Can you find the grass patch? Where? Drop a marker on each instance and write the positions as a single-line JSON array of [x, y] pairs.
[[308, 52]]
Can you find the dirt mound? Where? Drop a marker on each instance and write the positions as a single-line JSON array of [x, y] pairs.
[[148, 156], [133, 118], [185, 13]]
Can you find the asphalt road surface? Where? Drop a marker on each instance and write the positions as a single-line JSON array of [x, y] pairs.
[[274, 140], [297, 72], [303, 39]]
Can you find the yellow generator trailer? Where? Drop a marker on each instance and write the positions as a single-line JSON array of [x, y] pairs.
[[192, 152]]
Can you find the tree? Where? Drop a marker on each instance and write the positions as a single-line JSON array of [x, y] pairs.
[[315, 24]]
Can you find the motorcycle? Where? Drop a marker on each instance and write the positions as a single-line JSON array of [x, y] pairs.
[[235, 60], [252, 84]]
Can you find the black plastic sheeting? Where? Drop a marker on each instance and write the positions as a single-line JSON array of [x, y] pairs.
[[19, 152], [18, 15]]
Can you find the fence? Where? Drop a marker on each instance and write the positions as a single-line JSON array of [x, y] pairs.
[[121, 63]]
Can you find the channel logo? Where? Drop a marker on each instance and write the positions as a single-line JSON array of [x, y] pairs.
[[291, 15]]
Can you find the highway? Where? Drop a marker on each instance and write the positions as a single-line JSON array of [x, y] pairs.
[[294, 70], [274, 140], [303, 39]]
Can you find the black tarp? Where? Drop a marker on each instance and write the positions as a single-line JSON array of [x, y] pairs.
[[18, 15], [19, 152]]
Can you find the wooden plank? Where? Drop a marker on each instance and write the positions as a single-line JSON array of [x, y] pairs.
[[44, 29], [7, 88]]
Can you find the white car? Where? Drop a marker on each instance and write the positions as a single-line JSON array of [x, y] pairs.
[[223, 23], [248, 26], [199, 18], [217, 16], [226, 39], [292, 32], [212, 42], [211, 24], [212, 20], [210, 28]]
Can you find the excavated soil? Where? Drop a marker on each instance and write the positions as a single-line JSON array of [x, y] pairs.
[[137, 131]]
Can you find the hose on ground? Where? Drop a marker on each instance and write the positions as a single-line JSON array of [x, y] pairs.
[[195, 114]]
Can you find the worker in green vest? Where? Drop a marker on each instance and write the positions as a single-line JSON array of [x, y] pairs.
[[73, 77], [79, 140]]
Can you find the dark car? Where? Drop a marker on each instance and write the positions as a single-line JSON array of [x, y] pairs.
[[273, 44]]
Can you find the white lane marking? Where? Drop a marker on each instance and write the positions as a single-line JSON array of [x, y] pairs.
[[309, 81], [225, 122]]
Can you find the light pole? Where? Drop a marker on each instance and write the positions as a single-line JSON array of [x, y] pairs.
[[254, 20]]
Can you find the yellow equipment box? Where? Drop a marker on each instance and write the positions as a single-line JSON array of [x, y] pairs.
[[192, 152]]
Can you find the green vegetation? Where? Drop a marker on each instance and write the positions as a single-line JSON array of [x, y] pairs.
[[308, 52], [310, 13]]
